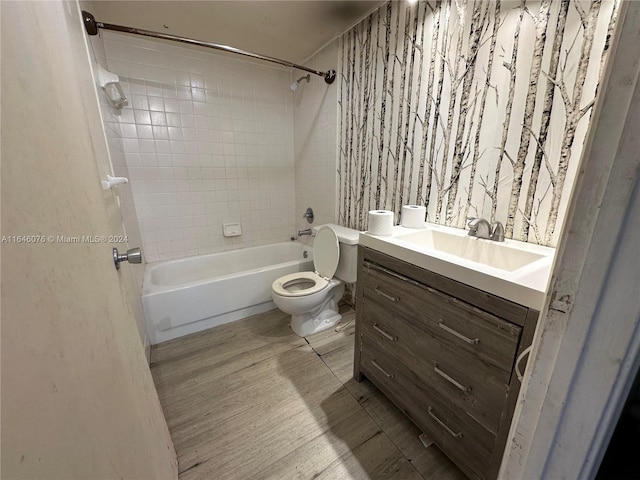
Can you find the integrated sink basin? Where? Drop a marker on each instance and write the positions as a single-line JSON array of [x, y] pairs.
[[517, 271], [493, 254]]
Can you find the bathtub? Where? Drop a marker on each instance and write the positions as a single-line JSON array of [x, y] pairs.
[[192, 294]]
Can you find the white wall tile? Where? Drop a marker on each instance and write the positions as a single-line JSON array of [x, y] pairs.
[[191, 142], [315, 134]]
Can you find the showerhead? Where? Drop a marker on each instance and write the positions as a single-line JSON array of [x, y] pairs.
[[294, 86]]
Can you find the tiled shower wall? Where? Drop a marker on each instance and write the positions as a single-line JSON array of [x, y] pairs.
[[208, 140], [315, 108]]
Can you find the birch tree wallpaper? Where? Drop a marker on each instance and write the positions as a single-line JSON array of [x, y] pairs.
[[473, 108]]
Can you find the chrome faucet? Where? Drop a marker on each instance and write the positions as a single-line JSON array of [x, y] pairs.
[[497, 232], [481, 228], [304, 232]]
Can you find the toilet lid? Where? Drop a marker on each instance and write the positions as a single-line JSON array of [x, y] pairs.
[[326, 252]]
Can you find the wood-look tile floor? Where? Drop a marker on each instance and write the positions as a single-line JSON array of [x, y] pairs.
[[252, 400]]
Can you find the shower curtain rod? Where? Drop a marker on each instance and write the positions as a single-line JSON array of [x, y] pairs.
[[92, 27]]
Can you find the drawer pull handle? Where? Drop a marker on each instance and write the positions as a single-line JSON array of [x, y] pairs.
[[472, 341], [386, 295], [387, 374], [524, 353], [384, 334], [451, 380], [443, 425]]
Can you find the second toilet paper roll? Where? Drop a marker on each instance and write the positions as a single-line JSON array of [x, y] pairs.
[[413, 216], [380, 222]]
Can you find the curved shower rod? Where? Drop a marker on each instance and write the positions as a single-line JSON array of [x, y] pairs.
[[92, 27]]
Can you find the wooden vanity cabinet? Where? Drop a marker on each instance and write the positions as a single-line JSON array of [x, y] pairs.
[[444, 353]]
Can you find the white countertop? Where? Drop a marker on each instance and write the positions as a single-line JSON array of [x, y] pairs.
[[525, 285]]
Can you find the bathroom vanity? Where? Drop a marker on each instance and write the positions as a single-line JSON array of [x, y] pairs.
[[442, 350]]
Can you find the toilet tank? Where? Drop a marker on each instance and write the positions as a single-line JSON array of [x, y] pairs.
[[348, 262]]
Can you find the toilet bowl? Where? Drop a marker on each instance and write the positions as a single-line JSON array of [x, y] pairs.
[[311, 298]]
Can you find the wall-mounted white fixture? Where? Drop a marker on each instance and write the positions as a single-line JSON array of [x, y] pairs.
[[111, 182], [231, 229], [110, 83]]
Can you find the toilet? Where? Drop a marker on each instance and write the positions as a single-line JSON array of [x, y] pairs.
[[311, 298]]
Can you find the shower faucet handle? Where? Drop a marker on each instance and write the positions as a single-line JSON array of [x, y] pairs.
[[308, 215]]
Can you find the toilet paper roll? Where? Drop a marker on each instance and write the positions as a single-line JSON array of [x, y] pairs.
[[413, 216], [380, 222]]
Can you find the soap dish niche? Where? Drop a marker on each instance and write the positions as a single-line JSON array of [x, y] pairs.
[[110, 83], [231, 229]]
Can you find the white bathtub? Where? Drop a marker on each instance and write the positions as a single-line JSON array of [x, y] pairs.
[[192, 294]]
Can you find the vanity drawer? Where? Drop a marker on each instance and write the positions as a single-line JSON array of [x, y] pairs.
[[476, 387], [454, 323], [465, 441]]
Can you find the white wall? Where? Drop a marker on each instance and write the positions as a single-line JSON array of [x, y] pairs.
[[208, 140], [315, 131], [78, 399]]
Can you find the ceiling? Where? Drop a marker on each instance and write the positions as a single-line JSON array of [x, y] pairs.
[[291, 30]]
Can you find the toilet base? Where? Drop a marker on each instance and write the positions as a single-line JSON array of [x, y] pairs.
[[323, 317], [305, 325]]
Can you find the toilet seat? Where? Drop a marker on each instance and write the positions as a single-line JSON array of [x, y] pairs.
[[326, 254], [279, 286]]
